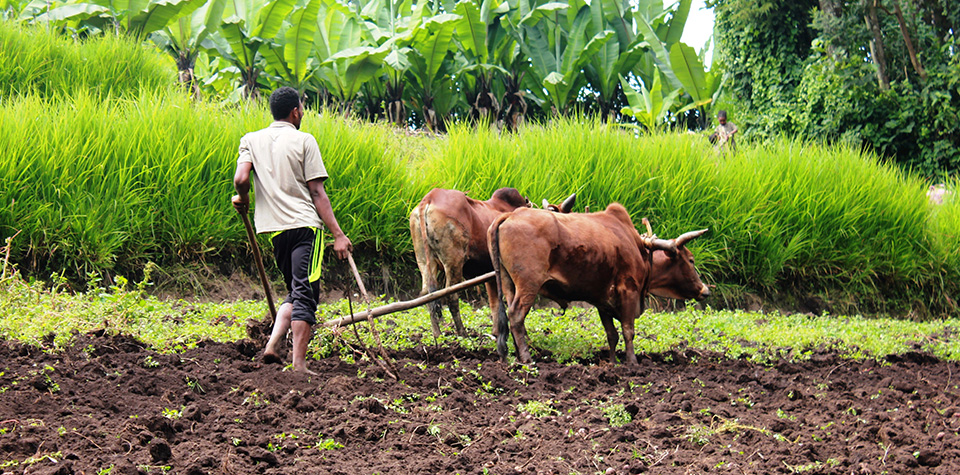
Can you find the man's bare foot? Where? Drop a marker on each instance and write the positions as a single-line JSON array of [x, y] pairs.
[[304, 370], [271, 358]]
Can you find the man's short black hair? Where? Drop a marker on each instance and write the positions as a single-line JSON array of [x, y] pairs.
[[282, 101], [722, 114]]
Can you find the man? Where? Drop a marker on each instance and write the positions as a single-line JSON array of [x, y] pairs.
[[291, 203], [724, 133]]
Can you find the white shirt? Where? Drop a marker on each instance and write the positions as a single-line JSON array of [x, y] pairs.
[[284, 160]]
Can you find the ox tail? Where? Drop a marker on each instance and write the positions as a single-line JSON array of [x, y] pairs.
[[423, 235], [503, 325]]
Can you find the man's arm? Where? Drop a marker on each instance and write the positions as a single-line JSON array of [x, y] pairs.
[[341, 243], [241, 182]]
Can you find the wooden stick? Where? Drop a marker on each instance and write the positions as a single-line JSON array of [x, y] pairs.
[[387, 366], [259, 261], [408, 304]]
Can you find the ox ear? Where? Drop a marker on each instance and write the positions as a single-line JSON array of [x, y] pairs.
[[686, 237], [568, 203], [546, 204]]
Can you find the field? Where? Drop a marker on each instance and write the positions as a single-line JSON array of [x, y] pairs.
[[113, 381], [109, 405], [114, 190]]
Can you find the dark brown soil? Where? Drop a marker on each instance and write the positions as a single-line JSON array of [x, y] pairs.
[[108, 402]]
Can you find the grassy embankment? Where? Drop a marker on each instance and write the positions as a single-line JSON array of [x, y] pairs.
[[106, 179]]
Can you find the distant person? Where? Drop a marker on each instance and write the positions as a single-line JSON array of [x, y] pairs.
[[724, 133], [937, 193], [291, 203]]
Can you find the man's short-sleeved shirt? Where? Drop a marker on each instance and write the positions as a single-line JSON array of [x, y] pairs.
[[727, 129], [284, 160]]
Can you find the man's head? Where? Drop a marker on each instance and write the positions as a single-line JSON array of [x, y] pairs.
[[285, 105], [722, 117]]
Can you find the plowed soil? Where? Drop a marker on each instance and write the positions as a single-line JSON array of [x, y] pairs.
[[108, 405]]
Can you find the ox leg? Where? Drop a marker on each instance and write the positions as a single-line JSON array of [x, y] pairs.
[[455, 276], [606, 317], [517, 314], [632, 307], [430, 285], [428, 270]]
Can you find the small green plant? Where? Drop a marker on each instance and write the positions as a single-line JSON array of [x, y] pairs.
[[783, 415], [256, 399], [194, 385], [617, 415], [172, 413], [149, 362], [538, 408], [327, 444], [699, 434]]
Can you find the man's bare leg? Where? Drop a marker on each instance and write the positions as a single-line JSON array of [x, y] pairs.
[[302, 332], [280, 327]]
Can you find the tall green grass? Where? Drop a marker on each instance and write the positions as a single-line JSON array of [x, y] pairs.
[[105, 166], [36, 60], [99, 184]]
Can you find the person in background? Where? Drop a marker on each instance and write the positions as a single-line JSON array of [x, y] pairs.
[[724, 133], [292, 205]]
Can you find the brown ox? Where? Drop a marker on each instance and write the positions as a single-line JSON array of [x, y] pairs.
[[599, 258], [449, 232]]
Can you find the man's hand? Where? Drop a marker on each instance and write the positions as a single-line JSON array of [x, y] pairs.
[[342, 246], [241, 203]]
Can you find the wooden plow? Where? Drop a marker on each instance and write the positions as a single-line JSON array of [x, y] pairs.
[[407, 304]]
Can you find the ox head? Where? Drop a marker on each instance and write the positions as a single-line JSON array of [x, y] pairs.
[[511, 198], [673, 274], [565, 207]]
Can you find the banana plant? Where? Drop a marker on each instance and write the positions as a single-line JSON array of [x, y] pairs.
[[483, 43], [289, 54], [389, 22], [652, 107], [137, 18], [247, 26], [183, 38], [701, 85], [616, 57], [660, 35], [431, 71], [554, 36], [348, 56]]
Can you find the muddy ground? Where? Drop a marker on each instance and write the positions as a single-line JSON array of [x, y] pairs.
[[108, 405]]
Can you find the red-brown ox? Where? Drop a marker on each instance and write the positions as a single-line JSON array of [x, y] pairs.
[[449, 232], [599, 258]]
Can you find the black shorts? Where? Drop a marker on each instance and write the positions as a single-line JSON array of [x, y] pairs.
[[299, 253]]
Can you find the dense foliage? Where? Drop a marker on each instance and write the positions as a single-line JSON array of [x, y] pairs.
[[882, 74], [420, 63]]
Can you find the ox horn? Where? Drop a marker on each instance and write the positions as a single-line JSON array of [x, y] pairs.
[[662, 244], [689, 236], [568, 203]]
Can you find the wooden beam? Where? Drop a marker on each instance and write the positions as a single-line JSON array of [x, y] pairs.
[[408, 304]]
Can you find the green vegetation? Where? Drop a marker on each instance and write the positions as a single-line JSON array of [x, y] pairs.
[[108, 194], [879, 74], [41, 62], [99, 182], [50, 318], [420, 62]]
